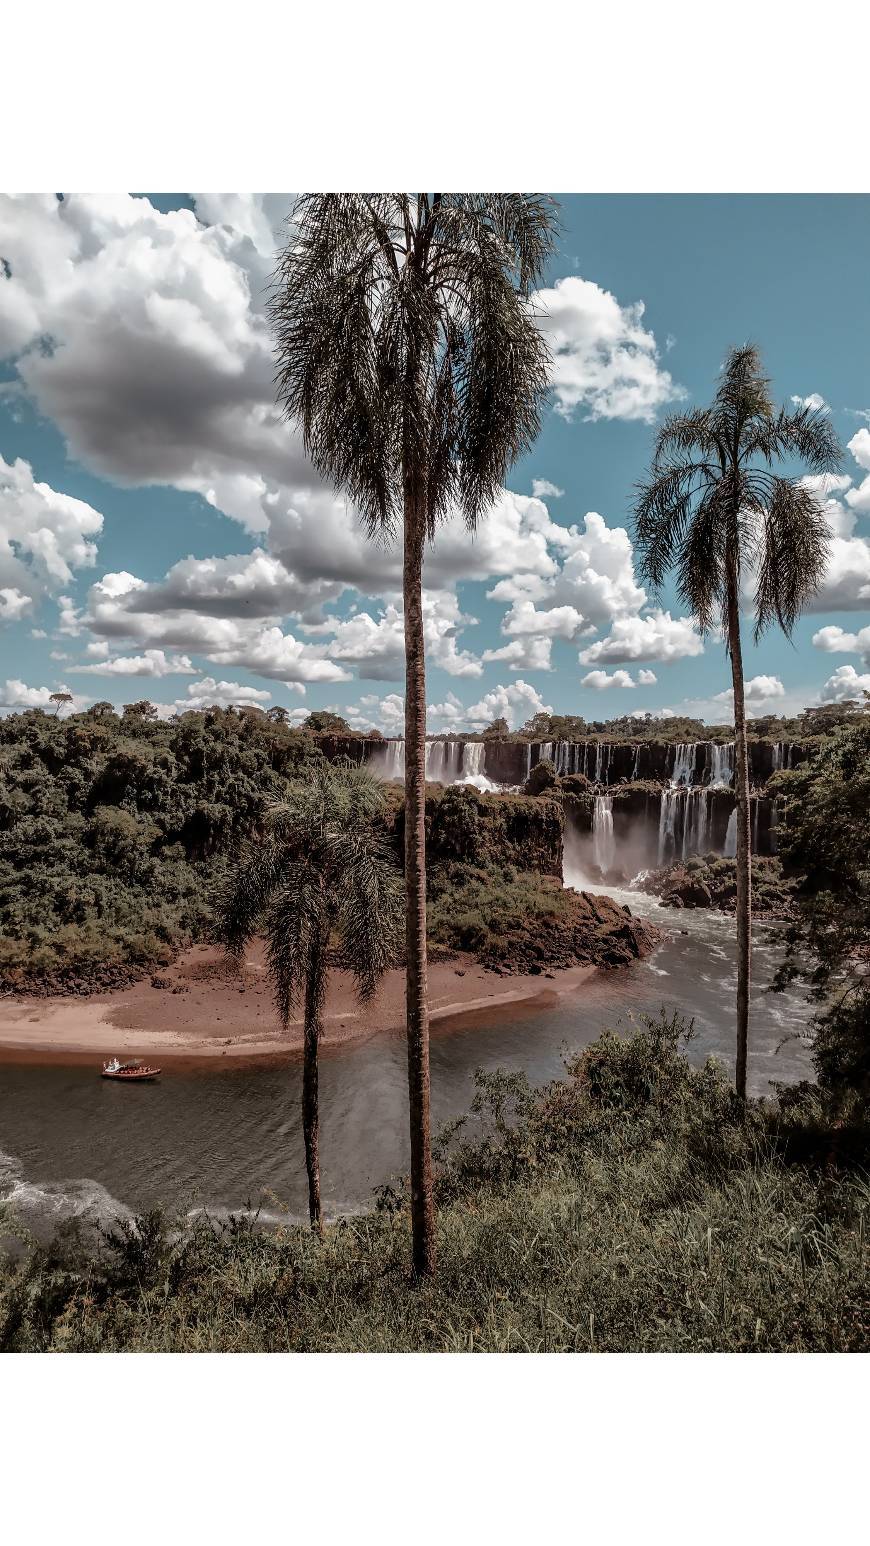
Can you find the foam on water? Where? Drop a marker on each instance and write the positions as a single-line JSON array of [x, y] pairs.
[[41, 1206]]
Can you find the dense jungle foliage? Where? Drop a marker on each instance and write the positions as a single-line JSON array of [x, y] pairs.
[[110, 830], [824, 839]]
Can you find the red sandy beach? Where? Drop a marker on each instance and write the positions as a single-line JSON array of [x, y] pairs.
[[207, 1010]]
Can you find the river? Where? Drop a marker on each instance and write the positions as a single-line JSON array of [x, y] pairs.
[[225, 1139]]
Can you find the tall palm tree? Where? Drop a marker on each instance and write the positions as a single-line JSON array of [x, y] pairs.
[[408, 352], [713, 509], [320, 877]]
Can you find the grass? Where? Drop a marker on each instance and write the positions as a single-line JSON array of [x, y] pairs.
[[629, 1207]]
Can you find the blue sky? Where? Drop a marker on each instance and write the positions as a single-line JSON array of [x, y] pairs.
[[162, 535]]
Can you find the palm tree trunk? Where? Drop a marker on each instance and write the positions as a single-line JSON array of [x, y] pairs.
[[422, 1201], [310, 1108], [744, 861]]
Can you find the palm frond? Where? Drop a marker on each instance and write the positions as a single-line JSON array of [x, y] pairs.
[[295, 926], [794, 554], [244, 895], [370, 908], [810, 436], [405, 338]]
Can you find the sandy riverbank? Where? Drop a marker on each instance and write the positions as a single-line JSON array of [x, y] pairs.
[[205, 1010]]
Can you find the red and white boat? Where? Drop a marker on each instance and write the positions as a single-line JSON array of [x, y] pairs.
[[130, 1072]]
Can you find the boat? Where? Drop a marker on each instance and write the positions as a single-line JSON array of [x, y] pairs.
[[132, 1072]]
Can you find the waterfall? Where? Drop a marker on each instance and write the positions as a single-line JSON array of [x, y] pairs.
[[667, 823], [756, 806], [443, 761], [684, 823], [684, 763], [603, 844], [528, 758], [388, 760], [695, 822], [730, 849], [473, 759], [635, 763], [721, 764], [782, 755]]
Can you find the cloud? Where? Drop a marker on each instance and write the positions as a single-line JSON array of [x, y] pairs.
[[758, 690], [373, 713], [542, 488], [16, 694], [846, 585], [114, 612], [516, 703], [524, 618], [44, 537], [835, 640], [527, 654], [376, 646], [599, 681], [658, 636], [604, 360], [203, 694], [858, 499], [244, 585], [149, 663], [13, 604], [646, 678], [814, 402], [845, 683], [595, 579]]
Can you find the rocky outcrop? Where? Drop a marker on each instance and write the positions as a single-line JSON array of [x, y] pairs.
[[713, 883], [587, 930]]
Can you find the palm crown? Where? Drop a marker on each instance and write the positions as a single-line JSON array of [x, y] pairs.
[[320, 874], [407, 342], [713, 501]]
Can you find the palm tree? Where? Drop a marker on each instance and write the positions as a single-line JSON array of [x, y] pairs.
[[713, 509], [408, 352], [320, 875]]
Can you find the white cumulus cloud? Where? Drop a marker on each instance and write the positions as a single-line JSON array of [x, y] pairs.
[[604, 360], [657, 636], [845, 683]]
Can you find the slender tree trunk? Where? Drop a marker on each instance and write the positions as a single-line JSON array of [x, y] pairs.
[[422, 1201], [744, 861], [310, 1109]]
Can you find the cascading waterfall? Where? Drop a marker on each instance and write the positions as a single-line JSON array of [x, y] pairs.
[[684, 763], [730, 849], [446, 761], [695, 822], [389, 761], [667, 824], [603, 842], [443, 761], [782, 755], [473, 759], [721, 764]]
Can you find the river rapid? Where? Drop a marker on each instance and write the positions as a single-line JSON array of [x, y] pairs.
[[75, 1146]]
